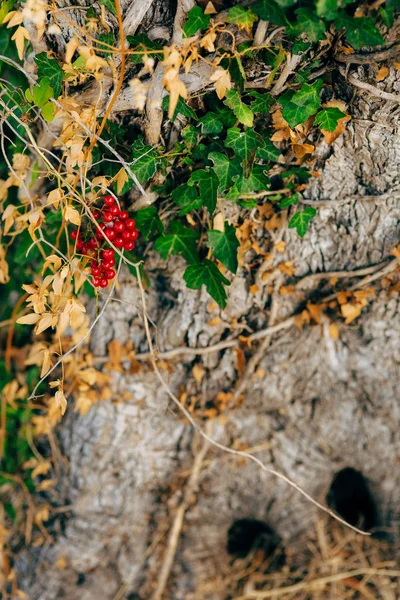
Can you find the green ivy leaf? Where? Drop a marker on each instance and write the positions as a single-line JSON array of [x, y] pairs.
[[262, 103], [268, 152], [146, 163], [49, 68], [210, 124], [209, 275], [268, 10], [301, 219], [328, 118], [243, 143], [48, 111], [310, 24], [225, 170], [225, 246], [298, 106], [189, 135], [289, 201], [110, 4], [308, 94], [328, 9], [241, 111], [5, 8], [140, 41], [181, 240], [181, 109], [207, 182], [257, 181], [241, 17], [196, 20], [41, 93], [148, 222], [360, 31], [187, 198]]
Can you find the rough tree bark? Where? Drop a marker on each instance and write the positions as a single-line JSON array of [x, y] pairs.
[[312, 406]]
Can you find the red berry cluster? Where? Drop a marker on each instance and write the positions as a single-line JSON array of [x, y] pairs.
[[115, 226]]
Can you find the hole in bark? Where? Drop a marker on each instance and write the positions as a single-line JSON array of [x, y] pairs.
[[249, 534], [350, 497]]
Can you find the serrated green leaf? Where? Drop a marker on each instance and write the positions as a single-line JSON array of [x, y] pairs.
[[181, 109], [301, 219], [328, 118], [289, 201], [40, 94], [298, 106], [387, 15], [187, 198], [148, 222], [328, 9], [225, 170], [209, 275], [360, 31], [262, 103], [243, 143], [210, 124], [241, 17], [242, 112], [207, 182], [268, 10], [309, 23], [48, 111], [196, 19], [308, 94], [257, 181], [225, 246], [181, 240], [49, 68]]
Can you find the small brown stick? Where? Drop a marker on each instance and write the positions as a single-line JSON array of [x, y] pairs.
[[370, 57], [340, 274], [291, 64], [363, 85], [176, 528]]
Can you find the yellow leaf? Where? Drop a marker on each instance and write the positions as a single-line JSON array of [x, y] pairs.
[[47, 364], [46, 321], [61, 401], [42, 469], [70, 48], [198, 373], [72, 215], [139, 93], [19, 37], [122, 178], [54, 197], [222, 82], [301, 150], [13, 18], [382, 74], [334, 331], [30, 319], [210, 9]]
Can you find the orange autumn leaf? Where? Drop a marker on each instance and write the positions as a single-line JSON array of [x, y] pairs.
[[382, 74]]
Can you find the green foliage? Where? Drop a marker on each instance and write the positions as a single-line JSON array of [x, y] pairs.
[[181, 109], [181, 240], [225, 169], [40, 96], [187, 198], [268, 10], [298, 106], [148, 222], [145, 162], [243, 143], [141, 42], [110, 4], [241, 17], [241, 111], [207, 182], [50, 69], [310, 24], [328, 118], [301, 220], [225, 246], [262, 102], [196, 19], [360, 31], [208, 274], [210, 124]]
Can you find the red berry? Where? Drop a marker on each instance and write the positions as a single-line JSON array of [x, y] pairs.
[[93, 243], [84, 249], [130, 224], [103, 282], [96, 214], [119, 226], [135, 234], [127, 234], [96, 282], [96, 269], [79, 244], [114, 210], [129, 245], [109, 200], [119, 242], [107, 253], [91, 252], [108, 217], [99, 235], [107, 263], [123, 215], [110, 273], [111, 234], [74, 234]]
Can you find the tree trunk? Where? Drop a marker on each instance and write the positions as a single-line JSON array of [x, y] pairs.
[[311, 405]]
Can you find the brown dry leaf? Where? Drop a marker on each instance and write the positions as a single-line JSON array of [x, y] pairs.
[[9, 217], [274, 222], [70, 48], [347, 50], [19, 37], [198, 373], [42, 514], [287, 290], [83, 404], [214, 322], [301, 319], [210, 9], [396, 65], [139, 93], [287, 268], [41, 469], [222, 82], [352, 311], [254, 289], [207, 42], [13, 18], [121, 178], [280, 246], [218, 222], [280, 124], [61, 563], [47, 364], [115, 354], [333, 331], [331, 136], [72, 215], [301, 150], [315, 310], [4, 276], [245, 340], [55, 197], [240, 361], [382, 74]]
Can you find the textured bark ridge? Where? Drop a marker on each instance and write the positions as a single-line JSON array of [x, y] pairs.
[[313, 405]]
